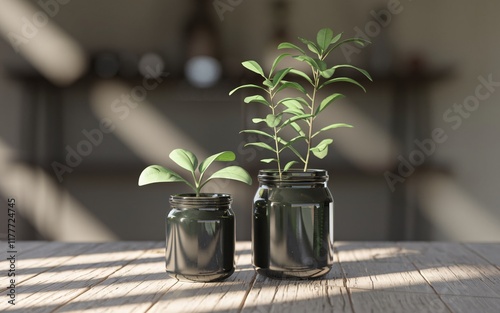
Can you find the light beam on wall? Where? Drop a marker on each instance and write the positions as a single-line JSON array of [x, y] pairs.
[[50, 209], [454, 212], [147, 132], [34, 34]]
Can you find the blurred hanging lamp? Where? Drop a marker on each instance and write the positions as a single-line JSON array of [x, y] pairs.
[[202, 67]]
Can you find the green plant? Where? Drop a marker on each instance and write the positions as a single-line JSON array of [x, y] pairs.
[[299, 112], [188, 161]]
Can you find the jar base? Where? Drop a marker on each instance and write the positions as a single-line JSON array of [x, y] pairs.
[[291, 275], [201, 278]]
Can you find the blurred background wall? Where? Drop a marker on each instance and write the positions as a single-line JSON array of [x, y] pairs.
[[79, 120]]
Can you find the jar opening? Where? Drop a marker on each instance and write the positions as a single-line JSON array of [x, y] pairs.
[[293, 176], [204, 200]]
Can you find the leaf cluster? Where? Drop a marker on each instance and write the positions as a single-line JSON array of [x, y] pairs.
[[300, 112], [188, 161]]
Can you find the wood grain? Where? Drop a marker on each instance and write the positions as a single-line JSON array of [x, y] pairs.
[[366, 277]]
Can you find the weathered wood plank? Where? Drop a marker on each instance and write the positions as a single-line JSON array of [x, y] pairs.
[[21, 247], [377, 301], [226, 296], [461, 304], [57, 286], [373, 277], [268, 295], [453, 269], [372, 251], [489, 251], [380, 266], [43, 256], [319, 295], [466, 280], [440, 253], [385, 276], [133, 288]]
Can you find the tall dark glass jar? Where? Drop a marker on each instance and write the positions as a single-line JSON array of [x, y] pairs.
[[292, 233], [200, 237]]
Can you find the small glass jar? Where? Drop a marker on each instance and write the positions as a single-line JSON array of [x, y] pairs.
[[292, 234], [200, 237]]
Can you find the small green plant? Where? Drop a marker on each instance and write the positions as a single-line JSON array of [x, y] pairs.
[[188, 161], [299, 112]]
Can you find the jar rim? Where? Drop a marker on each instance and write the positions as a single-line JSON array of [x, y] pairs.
[[209, 200], [293, 175]]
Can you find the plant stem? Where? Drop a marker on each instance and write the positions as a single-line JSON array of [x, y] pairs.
[[311, 119], [196, 184], [276, 143]]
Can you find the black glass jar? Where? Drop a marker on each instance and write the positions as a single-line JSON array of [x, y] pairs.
[[292, 235], [200, 237]]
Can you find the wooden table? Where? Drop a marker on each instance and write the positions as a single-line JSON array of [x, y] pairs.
[[366, 277]]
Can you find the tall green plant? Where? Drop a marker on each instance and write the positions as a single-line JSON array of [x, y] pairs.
[[299, 112]]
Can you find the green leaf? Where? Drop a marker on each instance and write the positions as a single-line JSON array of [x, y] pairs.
[[298, 100], [303, 75], [245, 86], [321, 150], [362, 71], [159, 174], [234, 173], [321, 64], [332, 126], [287, 144], [328, 73], [336, 39], [288, 45], [342, 79], [327, 101], [293, 85], [267, 83], [295, 118], [185, 159], [292, 103], [324, 38], [254, 67], [359, 41], [312, 62], [311, 46], [225, 156], [288, 165], [294, 111], [279, 76], [282, 141], [257, 132], [257, 120], [278, 60], [261, 145], [273, 120], [268, 160], [305, 41], [297, 128], [257, 98]]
